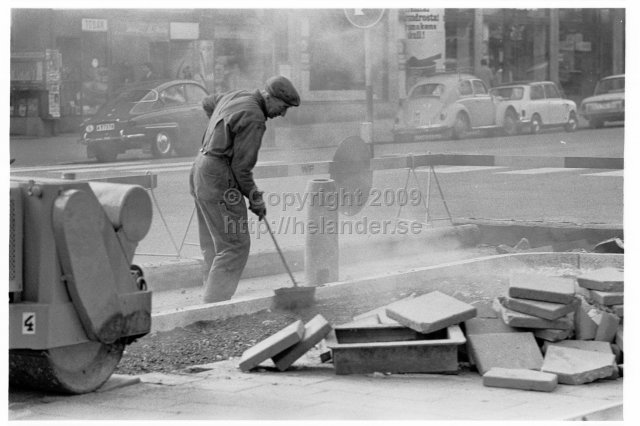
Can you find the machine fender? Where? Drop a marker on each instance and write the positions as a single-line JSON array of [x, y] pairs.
[[80, 228]]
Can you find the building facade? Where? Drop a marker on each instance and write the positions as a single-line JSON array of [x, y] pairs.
[[66, 62]]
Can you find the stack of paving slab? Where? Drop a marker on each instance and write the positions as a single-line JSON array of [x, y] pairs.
[[412, 335], [529, 344], [287, 345]]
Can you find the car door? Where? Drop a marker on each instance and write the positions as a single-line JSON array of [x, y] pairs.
[[558, 113], [538, 103], [484, 111]]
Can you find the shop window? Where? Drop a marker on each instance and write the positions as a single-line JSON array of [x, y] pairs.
[[336, 51]]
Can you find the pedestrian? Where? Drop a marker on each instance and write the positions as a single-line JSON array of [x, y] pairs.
[[485, 73], [221, 178], [147, 72]]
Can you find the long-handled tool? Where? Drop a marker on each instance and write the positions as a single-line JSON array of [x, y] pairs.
[[290, 297]]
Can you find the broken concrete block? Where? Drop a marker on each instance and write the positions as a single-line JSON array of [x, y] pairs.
[[552, 335], [546, 310], [585, 345], [519, 378], [506, 350], [576, 366], [505, 249], [618, 310], [616, 351], [603, 279], [619, 336], [607, 327], [430, 312], [607, 298], [541, 287], [523, 244], [314, 331], [585, 326], [487, 325], [520, 320], [272, 345]]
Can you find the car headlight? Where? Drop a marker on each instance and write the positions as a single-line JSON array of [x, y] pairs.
[[89, 128]]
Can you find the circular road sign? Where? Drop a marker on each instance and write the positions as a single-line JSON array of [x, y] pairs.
[[364, 18]]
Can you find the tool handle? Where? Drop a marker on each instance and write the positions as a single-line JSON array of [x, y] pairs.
[[284, 262]]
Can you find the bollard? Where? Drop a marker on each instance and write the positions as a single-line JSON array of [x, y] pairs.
[[321, 251]]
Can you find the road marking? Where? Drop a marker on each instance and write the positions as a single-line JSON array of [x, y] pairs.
[[461, 169], [539, 171], [614, 173]]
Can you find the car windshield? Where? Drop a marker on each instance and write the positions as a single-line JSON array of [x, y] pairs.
[[512, 93], [610, 85], [431, 89]]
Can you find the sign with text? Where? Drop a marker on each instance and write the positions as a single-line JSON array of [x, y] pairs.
[[424, 33], [89, 24]]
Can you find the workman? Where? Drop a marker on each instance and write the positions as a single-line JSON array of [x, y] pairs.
[[222, 176]]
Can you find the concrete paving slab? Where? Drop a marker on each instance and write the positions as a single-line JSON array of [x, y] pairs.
[[576, 366], [430, 312], [520, 320], [487, 325], [618, 310], [519, 378], [272, 345], [585, 326], [546, 310], [314, 331], [551, 335], [541, 287], [603, 279], [607, 327], [585, 345], [607, 298], [505, 350]]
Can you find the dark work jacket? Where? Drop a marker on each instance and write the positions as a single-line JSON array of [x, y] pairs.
[[233, 138]]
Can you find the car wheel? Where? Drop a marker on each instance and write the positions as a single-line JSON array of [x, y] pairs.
[[511, 126], [106, 154], [460, 127], [596, 123], [536, 124], [162, 145], [572, 124]]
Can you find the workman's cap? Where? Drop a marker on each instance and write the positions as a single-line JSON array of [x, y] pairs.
[[281, 88]]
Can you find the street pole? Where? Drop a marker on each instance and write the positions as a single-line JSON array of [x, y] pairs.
[[368, 87]]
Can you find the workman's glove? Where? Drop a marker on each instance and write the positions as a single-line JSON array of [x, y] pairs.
[[257, 205]]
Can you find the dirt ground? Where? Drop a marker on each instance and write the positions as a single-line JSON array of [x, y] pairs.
[[206, 342]]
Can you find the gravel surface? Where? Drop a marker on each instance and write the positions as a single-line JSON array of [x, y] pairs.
[[211, 341]]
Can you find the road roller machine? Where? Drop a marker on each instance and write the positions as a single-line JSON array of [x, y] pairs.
[[75, 298]]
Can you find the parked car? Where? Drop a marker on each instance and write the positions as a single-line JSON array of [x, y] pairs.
[[449, 103], [607, 102], [534, 105], [163, 117]]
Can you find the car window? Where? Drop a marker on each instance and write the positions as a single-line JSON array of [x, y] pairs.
[[464, 87], [551, 91], [610, 85], [479, 88], [146, 103], [195, 93], [173, 96], [537, 92], [509, 93], [431, 89]]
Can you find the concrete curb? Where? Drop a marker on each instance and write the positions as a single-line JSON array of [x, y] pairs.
[[613, 412], [164, 321], [183, 273]]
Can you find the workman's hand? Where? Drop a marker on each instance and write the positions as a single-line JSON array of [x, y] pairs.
[[259, 210]]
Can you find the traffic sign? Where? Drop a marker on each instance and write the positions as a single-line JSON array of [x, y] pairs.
[[364, 18]]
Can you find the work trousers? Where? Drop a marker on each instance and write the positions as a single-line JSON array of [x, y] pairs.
[[223, 233]]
